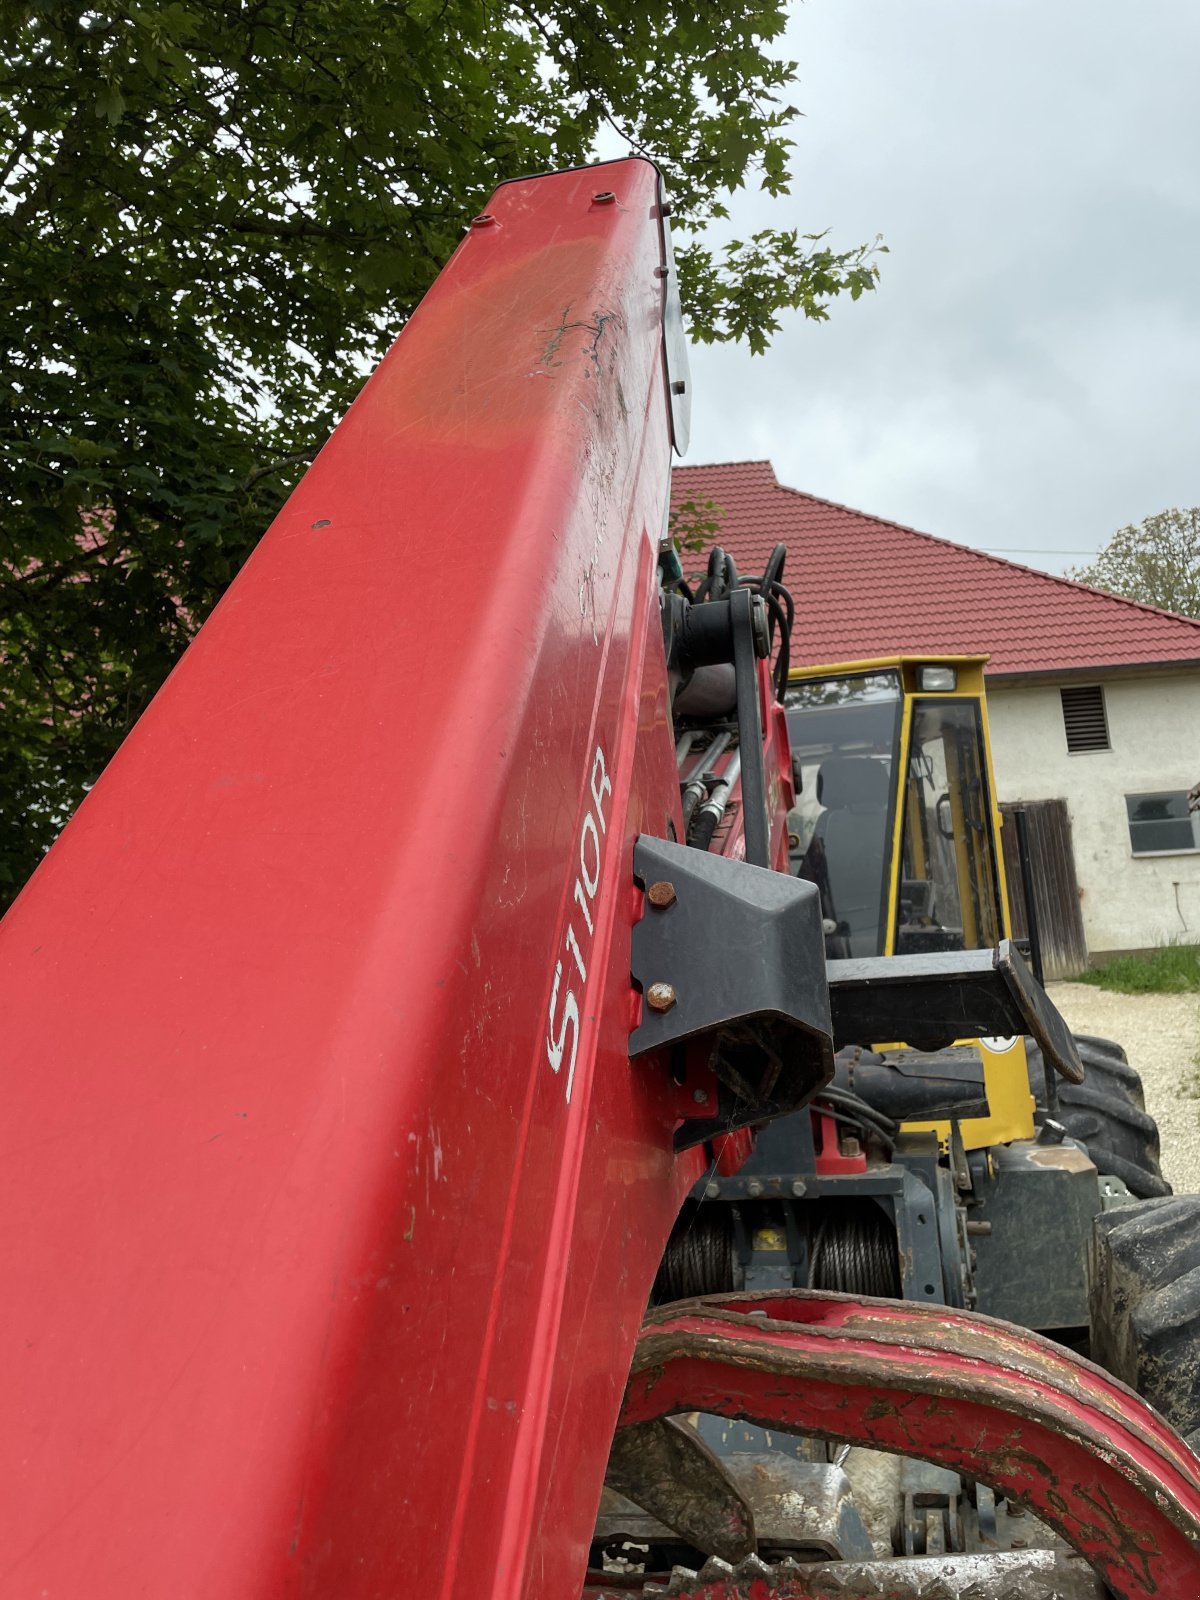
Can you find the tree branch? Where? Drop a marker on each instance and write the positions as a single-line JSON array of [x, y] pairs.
[[296, 457]]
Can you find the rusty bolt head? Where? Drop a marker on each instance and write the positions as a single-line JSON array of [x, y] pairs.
[[660, 997], [604, 197], [851, 1147], [661, 894], [485, 219]]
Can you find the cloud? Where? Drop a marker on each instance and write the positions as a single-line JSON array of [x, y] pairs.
[[1026, 375]]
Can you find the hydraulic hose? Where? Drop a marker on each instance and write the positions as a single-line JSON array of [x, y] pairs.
[[695, 789], [713, 809]]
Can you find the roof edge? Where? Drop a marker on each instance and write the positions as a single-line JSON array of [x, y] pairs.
[[1048, 676], [746, 461], [983, 555]]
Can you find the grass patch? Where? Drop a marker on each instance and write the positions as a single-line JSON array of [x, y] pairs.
[[1173, 969]]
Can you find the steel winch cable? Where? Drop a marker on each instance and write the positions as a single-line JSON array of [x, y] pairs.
[[853, 1251], [698, 1258]]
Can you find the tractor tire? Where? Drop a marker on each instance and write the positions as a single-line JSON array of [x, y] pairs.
[[1106, 1061], [1108, 1047], [1144, 1302], [1106, 1113]]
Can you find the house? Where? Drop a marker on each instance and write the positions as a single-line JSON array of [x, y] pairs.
[[1094, 701]]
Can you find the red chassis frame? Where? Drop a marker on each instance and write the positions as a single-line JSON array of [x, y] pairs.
[[331, 1199]]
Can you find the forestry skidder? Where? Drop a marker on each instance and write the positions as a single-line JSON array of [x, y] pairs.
[[1006, 1162]]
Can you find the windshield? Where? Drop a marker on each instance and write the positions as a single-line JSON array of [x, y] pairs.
[[845, 736], [948, 893]]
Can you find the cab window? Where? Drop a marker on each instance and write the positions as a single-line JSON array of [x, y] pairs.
[[845, 736], [948, 897]]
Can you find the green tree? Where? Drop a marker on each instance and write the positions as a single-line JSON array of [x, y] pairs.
[[213, 220], [695, 524], [1156, 561]]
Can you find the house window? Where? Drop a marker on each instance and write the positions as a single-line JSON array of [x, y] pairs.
[[1160, 823], [1084, 719]]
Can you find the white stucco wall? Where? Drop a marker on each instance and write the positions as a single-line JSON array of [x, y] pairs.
[[1129, 902]]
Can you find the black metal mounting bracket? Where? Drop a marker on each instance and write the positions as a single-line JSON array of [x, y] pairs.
[[730, 961], [929, 1001], [750, 737]]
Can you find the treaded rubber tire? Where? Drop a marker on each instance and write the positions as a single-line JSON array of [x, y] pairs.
[[1107, 1114], [1103, 1059], [1108, 1047], [1144, 1302]]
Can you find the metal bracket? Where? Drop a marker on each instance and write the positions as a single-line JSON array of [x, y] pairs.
[[730, 962], [750, 737], [929, 1001]]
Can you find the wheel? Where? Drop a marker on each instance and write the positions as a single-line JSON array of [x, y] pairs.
[[1102, 1059], [1144, 1302], [1106, 1112], [1108, 1047]]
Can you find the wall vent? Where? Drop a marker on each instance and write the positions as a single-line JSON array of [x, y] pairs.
[[1084, 719]]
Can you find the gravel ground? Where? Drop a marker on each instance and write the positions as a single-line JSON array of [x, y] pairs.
[[1161, 1036]]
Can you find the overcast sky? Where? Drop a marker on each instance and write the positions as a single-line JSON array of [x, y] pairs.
[[1025, 378]]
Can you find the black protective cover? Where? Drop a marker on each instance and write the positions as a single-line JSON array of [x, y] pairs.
[[929, 1001], [743, 949]]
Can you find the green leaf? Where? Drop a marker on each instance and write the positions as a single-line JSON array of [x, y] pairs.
[[216, 219], [110, 103], [1156, 562]]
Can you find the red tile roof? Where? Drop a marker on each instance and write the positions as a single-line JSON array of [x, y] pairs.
[[867, 587]]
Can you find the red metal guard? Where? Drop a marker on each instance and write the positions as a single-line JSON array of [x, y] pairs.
[[830, 1159], [330, 1201], [982, 1397]]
